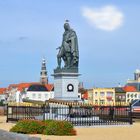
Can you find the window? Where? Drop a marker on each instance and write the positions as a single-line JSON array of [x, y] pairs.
[[96, 93], [132, 95], [123, 96], [135, 95], [96, 101], [137, 104], [39, 96], [110, 94], [128, 95], [102, 101], [120, 96], [46, 96], [34, 95], [102, 94], [27, 98]]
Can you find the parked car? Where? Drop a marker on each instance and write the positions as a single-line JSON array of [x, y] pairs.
[[135, 105]]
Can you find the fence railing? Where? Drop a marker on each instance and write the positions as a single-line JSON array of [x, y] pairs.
[[79, 116]]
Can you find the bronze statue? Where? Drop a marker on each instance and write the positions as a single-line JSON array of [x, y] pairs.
[[68, 51]]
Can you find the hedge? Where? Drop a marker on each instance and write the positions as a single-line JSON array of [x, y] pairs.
[[59, 128], [29, 127], [48, 127]]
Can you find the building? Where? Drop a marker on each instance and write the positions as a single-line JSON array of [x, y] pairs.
[[136, 81], [43, 73], [134, 92], [120, 95], [39, 92], [3, 94], [131, 96], [11, 90], [85, 96], [18, 92], [101, 96], [131, 93], [82, 92]]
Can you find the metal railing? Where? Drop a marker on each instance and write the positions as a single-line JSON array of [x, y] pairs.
[[78, 116]]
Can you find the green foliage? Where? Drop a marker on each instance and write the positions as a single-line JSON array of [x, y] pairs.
[[48, 127], [2, 103], [59, 128], [29, 127], [48, 121]]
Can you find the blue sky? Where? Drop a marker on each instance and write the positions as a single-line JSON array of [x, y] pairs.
[[108, 33]]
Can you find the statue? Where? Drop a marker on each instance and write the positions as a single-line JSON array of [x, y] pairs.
[[68, 51]]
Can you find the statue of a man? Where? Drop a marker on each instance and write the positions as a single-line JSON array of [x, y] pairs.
[[68, 51]]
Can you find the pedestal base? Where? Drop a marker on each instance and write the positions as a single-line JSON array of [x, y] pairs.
[[66, 85]]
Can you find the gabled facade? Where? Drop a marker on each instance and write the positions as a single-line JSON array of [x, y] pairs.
[[3, 94], [18, 92], [101, 96], [120, 94], [131, 96], [40, 92], [131, 93], [136, 81]]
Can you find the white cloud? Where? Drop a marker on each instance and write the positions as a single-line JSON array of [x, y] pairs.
[[106, 18]]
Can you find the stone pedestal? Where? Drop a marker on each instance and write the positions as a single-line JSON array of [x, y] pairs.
[[66, 85]]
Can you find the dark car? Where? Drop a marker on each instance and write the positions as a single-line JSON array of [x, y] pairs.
[[135, 108]]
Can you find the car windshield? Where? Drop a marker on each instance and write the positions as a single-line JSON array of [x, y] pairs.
[[134, 101], [137, 103]]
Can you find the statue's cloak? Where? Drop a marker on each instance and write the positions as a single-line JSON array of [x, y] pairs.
[[71, 38]]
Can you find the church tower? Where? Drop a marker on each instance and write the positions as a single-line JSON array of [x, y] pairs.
[[43, 73]]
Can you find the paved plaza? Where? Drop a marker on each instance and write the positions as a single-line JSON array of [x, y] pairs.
[[127, 132]]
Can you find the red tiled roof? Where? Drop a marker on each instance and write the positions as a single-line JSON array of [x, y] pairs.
[[49, 87], [85, 95], [129, 89], [12, 86], [22, 86], [2, 90]]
